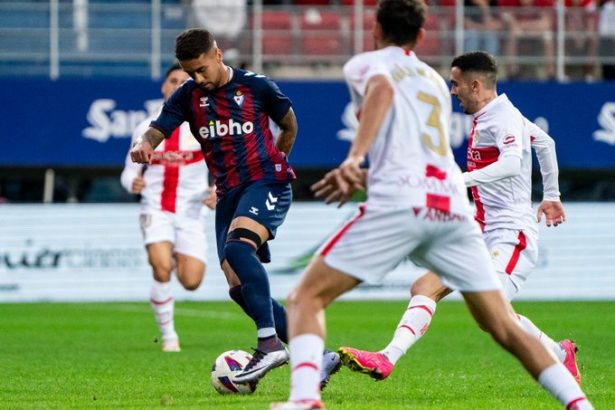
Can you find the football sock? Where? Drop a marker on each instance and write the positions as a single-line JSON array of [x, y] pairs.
[[279, 312], [254, 281], [413, 324], [305, 363], [269, 343], [560, 383], [279, 316], [549, 343], [163, 305]]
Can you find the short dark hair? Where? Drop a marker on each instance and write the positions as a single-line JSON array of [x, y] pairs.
[[478, 62], [174, 67], [192, 43], [401, 20]]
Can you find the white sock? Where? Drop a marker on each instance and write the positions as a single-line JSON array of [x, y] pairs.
[[549, 343], [413, 324], [163, 305], [305, 362], [264, 332], [560, 383]]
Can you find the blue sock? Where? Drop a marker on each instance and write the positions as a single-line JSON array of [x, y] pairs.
[[279, 315], [279, 312], [254, 281]]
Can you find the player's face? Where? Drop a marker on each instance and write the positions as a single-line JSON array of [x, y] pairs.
[[172, 82], [462, 90], [207, 70]]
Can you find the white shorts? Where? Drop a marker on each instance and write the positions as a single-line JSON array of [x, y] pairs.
[[514, 254], [375, 241], [186, 234]]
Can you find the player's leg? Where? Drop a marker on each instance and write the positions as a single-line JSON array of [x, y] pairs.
[[161, 295], [190, 251], [261, 209], [462, 260], [494, 314], [426, 292], [318, 287], [514, 254]]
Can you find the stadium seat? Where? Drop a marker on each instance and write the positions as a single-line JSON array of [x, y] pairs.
[[368, 24], [321, 33], [431, 45], [277, 32]]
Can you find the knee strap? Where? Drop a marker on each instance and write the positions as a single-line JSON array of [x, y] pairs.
[[239, 233]]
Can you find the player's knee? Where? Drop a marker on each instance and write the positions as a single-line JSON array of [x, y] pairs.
[[192, 283], [304, 300], [162, 270], [244, 235]]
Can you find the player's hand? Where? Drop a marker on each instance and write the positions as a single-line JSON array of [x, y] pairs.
[[141, 152], [351, 169], [335, 187], [137, 184], [211, 199], [553, 212]]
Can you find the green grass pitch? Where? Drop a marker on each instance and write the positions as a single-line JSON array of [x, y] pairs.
[[62, 356]]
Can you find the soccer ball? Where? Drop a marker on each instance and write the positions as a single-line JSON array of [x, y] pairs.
[[226, 366]]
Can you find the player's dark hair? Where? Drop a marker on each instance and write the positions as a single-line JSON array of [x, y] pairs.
[[401, 20], [174, 67], [192, 43], [479, 62]]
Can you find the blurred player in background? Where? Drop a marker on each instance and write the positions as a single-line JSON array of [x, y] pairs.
[[500, 177], [173, 189], [228, 110], [416, 206]]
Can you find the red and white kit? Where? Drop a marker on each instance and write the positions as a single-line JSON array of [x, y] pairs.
[[500, 140], [417, 203], [175, 187]]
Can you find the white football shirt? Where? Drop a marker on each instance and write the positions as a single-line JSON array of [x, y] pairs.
[[176, 180], [411, 163], [500, 130]]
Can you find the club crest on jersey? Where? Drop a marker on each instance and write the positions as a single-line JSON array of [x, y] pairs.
[[238, 98]]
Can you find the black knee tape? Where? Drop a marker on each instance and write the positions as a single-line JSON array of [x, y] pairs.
[[239, 233]]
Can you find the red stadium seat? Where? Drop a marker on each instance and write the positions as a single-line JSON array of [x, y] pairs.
[[431, 45], [321, 33], [277, 29]]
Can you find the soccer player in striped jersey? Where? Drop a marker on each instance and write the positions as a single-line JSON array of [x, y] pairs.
[[228, 110], [500, 177], [173, 189]]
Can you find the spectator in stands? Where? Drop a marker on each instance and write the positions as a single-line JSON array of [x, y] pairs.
[[530, 20], [581, 41], [606, 30], [482, 25]]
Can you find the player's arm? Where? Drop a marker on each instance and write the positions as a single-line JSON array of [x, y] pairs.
[[550, 207], [288, 132], [505, 167], [376, 104], [144, 146]]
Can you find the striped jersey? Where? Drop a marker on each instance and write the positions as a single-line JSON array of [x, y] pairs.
[[232, 126], [176, 180], [500, 130], [411, 163]]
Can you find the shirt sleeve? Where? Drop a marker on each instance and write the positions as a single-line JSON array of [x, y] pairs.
[[276, 104], [508, 137], [174, 111], [359, 70], [504, 167], [544, 146]]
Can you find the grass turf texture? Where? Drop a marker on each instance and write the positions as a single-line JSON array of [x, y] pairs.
[[107, 356]]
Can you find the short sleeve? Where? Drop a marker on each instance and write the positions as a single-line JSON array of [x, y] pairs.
[[359, 70], [276, 104], [174, 111]]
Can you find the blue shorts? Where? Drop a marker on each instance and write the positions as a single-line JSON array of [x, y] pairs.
[[265, 202]]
